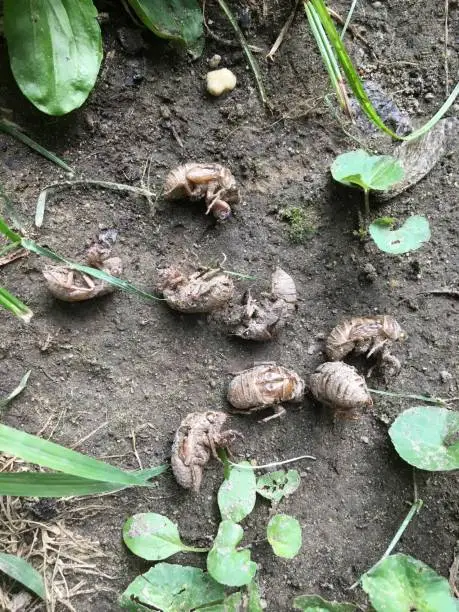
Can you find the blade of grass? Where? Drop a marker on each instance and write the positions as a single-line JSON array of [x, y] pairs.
[[19, 569], [348, 18], [21, 386], [424, 398], [38, 484], [14, 130], [14, 305], [8, 232], [32, 246], [56, 457], [248, 53]]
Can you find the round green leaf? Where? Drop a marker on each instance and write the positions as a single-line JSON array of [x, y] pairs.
[[401, 583], [276, 485], [232, 603], [314, 603], [171, 588], [226, 564], [409, 237], [152, 536], [284, 535], [427, 437], [237, 494], [377, 172], [55, 50]]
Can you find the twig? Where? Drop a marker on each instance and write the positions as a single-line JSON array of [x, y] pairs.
[[445, 291], [337, 17], [134, 449], [245, 47], [283, 32], [89, 435], [446, 47], [15, 254], [224, 41], [268, 465], [423, 398]]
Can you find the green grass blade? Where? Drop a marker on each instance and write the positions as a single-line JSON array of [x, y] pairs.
[[21, 386], [56, 457], [8, 232], [13, 130], [153, 471], [348, 18], [19, 569], [32, 246], [38, 484], [436, 118], [14, 305]]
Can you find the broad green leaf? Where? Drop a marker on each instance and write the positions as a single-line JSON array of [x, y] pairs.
[[56, 457], [409, 237], [171, 588], [276, 485], [226, 564], [314, 603], [21, 386], [19, 569], [237, 494], [284, 535], [55, 50], [376, 172], [232, 603], [255, 603], [177, 20], [400, 583], [15, 306], [154, 537], [427, 437]]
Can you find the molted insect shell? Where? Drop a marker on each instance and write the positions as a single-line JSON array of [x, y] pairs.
[[345, 337], [204, 291], [283, 288], [265, 385], [196, 439], [180, 181], [339, 385]]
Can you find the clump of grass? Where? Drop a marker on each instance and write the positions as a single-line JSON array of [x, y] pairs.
[[299, 221]]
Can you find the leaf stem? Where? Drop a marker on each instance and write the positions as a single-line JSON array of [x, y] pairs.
[[367, 202], [195, 549], [276, 463]]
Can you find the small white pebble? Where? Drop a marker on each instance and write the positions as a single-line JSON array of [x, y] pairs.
[[214, 61], [220, 81]]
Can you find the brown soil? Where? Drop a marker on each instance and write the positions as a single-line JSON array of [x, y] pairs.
[[142, 367]]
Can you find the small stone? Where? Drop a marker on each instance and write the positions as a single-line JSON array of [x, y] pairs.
[[377, 5], [214, 61], [220, 81], [429, 96], [445, 376], [365, 440]]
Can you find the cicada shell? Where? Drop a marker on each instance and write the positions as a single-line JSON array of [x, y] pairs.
[[203, 291], [362, 334], [195, 441], [340, 386], [283, 288], [264, 385]]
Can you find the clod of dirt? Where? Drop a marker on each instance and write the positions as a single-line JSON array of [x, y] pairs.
[[263, 386], [196, 439], [340, 387], [263, 319], [220, 81], [204, 291], [214, 61], [365, 336], [210, 182], [70, 285]]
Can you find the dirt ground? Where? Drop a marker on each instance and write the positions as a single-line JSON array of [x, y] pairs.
[[140, 368]]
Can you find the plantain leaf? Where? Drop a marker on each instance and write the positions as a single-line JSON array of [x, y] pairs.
[[237, 494], [55, 49], [177, 20], [409, 237], [23, 572], [225, 563]]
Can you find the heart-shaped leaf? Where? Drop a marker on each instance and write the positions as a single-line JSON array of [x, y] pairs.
[[427, 437], [170, 588], [276, 485], [376, 172], [409, 237], [284, 535], [154, 537], [226, 564], [314, 603], [400, 583], [237, 494]]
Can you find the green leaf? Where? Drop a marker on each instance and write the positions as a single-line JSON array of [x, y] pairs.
[[400, 583], [55, 49], [409, 237], [15, 306], [237, 494], [255, 603], [284, 535], [314, 603], [21, 386], [376, 172], [54, 456], [427, 437], [19, 569], [154, 537], [232, 603], [171, 588], [177, 20], [224, 563], [276, 485], [40, 484]]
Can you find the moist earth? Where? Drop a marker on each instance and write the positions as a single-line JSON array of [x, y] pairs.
[[134, 369]]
